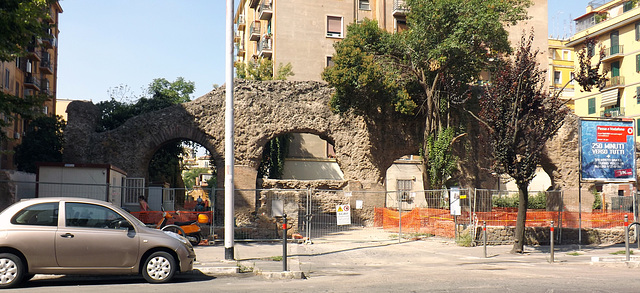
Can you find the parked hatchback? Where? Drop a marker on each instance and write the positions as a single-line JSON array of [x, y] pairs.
[[85, 236]]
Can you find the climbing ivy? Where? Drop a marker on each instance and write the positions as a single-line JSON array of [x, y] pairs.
[[442, 162]]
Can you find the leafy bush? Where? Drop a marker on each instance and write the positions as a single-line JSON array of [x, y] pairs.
[[538, 201]]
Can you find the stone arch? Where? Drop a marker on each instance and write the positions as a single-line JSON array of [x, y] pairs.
[[263, 110]]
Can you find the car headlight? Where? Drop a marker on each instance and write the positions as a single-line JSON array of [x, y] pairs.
[[179, 237]]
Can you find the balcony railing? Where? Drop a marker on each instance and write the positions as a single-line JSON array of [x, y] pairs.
[[615, 81], [46, 66], [400, 8], [31, 82], [253, 3], [50, 41], [613, 52], [612, 112], [265, 10], [240, 49], [33, 52], [264, 47], [255, 31], [241, 22]]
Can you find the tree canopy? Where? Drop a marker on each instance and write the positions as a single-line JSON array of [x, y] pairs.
[[521, 117], [21, 22], [424, 70], [262, 69], [42, 142]]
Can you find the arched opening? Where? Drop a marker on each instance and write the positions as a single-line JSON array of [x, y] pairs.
[[182, 175], [299, 156]]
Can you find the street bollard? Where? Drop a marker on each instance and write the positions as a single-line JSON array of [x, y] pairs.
[[552, 241], [626, 237], [484, 237], [284, 243]]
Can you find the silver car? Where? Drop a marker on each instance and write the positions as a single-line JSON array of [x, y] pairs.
[[85, 236]]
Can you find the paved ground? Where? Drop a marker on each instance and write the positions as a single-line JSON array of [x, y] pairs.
[[327, 255]]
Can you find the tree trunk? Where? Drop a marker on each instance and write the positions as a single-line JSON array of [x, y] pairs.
[[523, 195]]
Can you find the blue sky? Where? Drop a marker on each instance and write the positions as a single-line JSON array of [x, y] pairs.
[[104, 44]]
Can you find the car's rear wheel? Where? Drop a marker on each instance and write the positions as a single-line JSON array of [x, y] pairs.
[[159, 267], [11, 270]]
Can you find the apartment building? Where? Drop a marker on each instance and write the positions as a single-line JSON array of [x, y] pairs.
[[616, 27], [561, 70], [29, 75]]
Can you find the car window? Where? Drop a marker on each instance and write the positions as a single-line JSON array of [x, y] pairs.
[[93, 216], [43, 214]]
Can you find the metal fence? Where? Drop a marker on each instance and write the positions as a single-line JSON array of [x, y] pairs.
[[354, 215]]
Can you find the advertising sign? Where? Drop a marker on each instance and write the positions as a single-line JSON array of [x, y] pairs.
[[607, 151]]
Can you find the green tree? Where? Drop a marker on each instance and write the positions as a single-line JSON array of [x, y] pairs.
[[189, 176], [42, 142], [165, 163], [21, 23], [521, 117], [262, 69], [426, 69], [273, 156]]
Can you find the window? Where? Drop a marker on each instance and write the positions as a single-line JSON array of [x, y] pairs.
[[557, 77], [401, 25], [638, 63], [334, 26], [92, 216], [6, 78], [637, 31], [590, 50], [364, 5], [627, 6], [44, 214], [329, 61], [573, 77], [566, 55], [404, 188], [592, 105]]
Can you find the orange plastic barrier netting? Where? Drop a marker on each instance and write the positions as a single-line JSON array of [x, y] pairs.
[[153, 217], [441, 223]]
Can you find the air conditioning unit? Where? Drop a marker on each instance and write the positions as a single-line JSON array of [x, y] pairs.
[[16, 135]]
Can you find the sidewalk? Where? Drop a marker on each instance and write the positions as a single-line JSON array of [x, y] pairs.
[[264, 258]]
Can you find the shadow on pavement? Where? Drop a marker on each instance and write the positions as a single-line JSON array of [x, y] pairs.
[[78, 280]]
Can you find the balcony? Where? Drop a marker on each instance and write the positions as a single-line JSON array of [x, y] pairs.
[[253, 3], [400, 8], [240, 49], [237, 36], [32, 52], [49, 42], [31, 82], [45, 66], [265, 10], [264, 47], [613, 53], [615, 82], [255, 31], [241, 22], [612, 112]]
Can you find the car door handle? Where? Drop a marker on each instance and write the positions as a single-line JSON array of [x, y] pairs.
[[67, 235]]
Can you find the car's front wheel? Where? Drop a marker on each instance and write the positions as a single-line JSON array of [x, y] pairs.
[[11, 270], [159, 267]]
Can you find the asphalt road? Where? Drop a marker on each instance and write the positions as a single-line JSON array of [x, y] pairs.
[[420, 266]]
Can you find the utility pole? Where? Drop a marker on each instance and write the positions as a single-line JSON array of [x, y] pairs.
[[229, 209]]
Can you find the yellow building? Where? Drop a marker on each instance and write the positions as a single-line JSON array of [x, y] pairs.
[[616, 27], [30, 75], [561, 70]]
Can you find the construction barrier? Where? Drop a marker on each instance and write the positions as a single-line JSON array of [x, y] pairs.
[[153, 217], [440, 222]]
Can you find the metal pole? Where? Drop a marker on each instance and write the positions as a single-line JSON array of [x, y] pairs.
[[626, 237], [229, 208], [552, 242], [484, 237], [399, 217], [579, 215], [284, 242]]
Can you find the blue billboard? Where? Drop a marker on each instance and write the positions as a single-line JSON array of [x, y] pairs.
[[607, 151]]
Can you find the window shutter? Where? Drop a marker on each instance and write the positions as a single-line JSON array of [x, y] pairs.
[[334, 25]]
